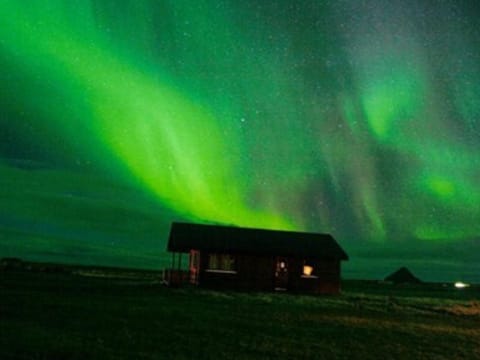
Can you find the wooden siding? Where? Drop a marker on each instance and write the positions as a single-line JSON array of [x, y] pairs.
[[251, 272], [258, 273]]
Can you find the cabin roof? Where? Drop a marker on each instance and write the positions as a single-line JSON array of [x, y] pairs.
[[230, 239]]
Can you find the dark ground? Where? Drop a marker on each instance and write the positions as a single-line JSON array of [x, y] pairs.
[[64, 316]]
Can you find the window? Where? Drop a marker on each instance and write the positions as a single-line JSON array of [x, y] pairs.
[[221, 263], [308, 270]]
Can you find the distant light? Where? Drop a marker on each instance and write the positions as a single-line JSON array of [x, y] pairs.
[[461, 285]]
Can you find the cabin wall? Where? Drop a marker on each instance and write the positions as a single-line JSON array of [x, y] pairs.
[[252, 272], [257, 273], [214, 279], [325, 278]]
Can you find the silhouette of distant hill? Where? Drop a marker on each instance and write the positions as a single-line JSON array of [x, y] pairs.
[[403, 276]]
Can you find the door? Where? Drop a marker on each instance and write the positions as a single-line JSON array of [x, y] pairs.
[[281, 274], [194, 267]]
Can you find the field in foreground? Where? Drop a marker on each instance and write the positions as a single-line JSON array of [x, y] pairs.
[[63, 316]]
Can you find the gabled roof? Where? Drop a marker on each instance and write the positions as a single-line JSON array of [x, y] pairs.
[[230, 239], [402, 276]]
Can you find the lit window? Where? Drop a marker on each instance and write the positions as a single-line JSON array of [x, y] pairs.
[[307, 270], [213, 261], [221, 262]]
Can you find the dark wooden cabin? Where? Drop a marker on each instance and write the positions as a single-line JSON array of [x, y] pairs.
[[255, 259]]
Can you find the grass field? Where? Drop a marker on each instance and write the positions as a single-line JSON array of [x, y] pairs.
[[63, 316]]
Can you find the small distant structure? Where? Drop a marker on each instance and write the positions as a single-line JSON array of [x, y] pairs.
[[228, 257], [403, 276]]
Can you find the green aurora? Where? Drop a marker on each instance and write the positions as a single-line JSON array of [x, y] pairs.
[[361, 119]]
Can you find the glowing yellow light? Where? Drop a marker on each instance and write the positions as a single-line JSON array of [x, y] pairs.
[[307, 270], [461, 285]]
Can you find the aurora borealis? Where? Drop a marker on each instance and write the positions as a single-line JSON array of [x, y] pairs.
[[357, 118]]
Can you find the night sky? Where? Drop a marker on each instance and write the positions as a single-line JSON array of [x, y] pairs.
[[355, 118]]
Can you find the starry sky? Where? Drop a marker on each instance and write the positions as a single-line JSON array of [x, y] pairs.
[[355, 118]]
